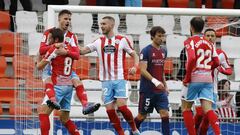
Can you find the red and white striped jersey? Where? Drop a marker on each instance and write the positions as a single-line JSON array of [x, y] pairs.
[[226, 112], [112, 54], [69, 39], [201, 59], [224, 67]]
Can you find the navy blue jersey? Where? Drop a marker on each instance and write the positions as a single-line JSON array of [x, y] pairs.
[[155, 66]]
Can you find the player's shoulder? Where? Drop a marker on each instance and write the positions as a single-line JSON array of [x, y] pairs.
[[148, 48]]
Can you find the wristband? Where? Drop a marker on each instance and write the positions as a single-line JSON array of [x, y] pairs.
[[155, 82]]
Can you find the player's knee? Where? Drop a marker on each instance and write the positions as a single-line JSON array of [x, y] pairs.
[[43, 109], [64, 119], [48, 80], [141, 117], [164, 113]]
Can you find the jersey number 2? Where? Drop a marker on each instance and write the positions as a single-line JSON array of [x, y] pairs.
[[204, 59]]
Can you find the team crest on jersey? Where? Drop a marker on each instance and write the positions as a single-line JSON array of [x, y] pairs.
[[117, 41], [68, 39], [109, 49]]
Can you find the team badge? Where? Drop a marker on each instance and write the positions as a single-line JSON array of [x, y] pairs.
[[117, 41], [141, 56], [67, 39]]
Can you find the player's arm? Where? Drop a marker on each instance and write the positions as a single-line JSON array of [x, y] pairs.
[[44, 46], [51, 54], [224, 67], [42, 64], [133, 69], [90, 47], [191, 60]]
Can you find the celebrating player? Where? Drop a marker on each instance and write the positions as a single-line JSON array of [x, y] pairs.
[[64, 20], [153, 88], [112, 49], [201, 60], [224, 68], [61, 77]]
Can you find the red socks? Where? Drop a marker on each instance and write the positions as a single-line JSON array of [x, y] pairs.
[[44, 124], [213, 120], [49, 90], [189, 122], [82, 96], [72, 129], [112, 115], [127, 114], [204, 126], [198, 117]]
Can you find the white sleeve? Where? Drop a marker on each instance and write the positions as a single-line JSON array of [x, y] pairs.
[[127, 45], [93, 46], [223, 60]]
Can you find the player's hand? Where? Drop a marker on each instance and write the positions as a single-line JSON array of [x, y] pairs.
[[132, 70], [185, 84], [61, 51], [58, 45]]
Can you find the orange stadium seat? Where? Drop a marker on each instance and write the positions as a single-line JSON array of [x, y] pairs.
[[228, 4], [23, 66], [1, 110], [208, 4], [91, 2], [81, 67], [129, 62], [152, 3], [178, 3], [7, 83], [4, 21], [8, 42], [3, 66], [7, 96], [34, 96], [168, 67], [198, 3], [20, 108]]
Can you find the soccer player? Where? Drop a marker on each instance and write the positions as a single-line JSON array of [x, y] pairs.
[[224, 68], [112, 51], [201, 60], [61, 78], [64, 20], [153, 88]]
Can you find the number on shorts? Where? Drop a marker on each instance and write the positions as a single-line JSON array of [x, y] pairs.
[[147, 102], [204, 59], [67, 65]]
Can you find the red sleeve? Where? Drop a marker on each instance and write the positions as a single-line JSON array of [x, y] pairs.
[[74, 53], [190, 63], [44, 47], [226, 71]]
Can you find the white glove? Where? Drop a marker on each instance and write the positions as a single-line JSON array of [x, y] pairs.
[[156, 82]]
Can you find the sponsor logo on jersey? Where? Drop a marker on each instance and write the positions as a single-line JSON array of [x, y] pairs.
[[109, 49]]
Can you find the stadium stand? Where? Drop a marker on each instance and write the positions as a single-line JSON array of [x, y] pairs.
[[34, 39], [26, 17], [152, 3], [5, 20], [230, 46], [160, 20], [178, 3], [174, 45], [11, 41], [81, 67], [237, 69], [82, 25], [136, 24], [129, 63], [228, 4], [3, 66], [144, 40], [23, 66], [184, 23]]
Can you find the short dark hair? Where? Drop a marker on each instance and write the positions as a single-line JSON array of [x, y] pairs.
[[64, 11], [197, 23], [57, 34], [156, 29], [209, 29], [109, 17]]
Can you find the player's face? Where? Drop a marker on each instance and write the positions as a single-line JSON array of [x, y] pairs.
[[210, 36], [159, 38], [106, 26], [64, 21]]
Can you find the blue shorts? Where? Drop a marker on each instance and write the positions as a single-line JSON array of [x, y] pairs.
[[200, 91], [148, 102], [64, 96], [113, 89], [47, 72], [214, 104]]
